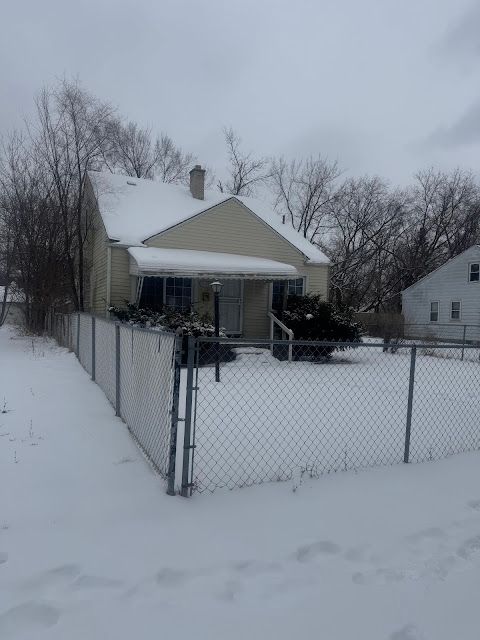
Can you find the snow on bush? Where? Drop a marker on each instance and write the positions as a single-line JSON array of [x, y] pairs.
[[187, 323], [311, 318]]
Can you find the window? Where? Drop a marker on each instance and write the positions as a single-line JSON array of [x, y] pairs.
[[474, 272], [455, 309], [434, 312], [178, 293], [295, 287], [173, 292], [152, 294]]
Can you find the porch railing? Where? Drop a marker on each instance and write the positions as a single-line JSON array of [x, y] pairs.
[[275, 321]]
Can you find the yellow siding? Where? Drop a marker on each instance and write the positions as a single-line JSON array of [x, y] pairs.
[[96, 260], [255, 307], [120, 287], [231, 228]]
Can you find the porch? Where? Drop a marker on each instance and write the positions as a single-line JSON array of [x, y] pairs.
[[251, 286]]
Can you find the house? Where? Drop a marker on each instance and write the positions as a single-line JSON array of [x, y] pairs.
[[14, 306], [154, 244], [446, 302]]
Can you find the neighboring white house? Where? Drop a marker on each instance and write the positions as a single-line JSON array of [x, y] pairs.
[[445, 301]]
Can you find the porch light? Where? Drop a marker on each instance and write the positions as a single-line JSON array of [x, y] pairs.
[[216, 286]]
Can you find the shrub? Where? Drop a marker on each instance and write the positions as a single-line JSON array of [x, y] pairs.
[[185, 323], [311, 318]]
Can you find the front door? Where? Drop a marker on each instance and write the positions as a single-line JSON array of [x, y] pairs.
[[231, 304]]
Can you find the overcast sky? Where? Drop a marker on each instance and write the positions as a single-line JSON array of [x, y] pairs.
[[384, 86]]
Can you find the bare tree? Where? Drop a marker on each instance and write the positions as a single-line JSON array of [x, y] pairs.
[[7, 256], [70, 138], [382, 241], [172, 164], [245, 172], [131, 150], [365, 218], [304, 191], [442, 221], [31, 220], [134, 152]]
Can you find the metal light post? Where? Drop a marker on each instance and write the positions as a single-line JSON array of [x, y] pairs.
[[217, 287]]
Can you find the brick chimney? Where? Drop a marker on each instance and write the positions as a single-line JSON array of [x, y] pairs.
[[197, 182]]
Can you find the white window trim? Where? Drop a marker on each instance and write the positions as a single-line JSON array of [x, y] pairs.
[[470, 273], [459, 311], [437, 302]]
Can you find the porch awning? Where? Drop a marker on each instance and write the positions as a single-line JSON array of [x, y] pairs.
[[150, 261]]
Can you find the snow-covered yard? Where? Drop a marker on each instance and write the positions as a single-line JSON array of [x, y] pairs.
[[92, 547], [269, 420]]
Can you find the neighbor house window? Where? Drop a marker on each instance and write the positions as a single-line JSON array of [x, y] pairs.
[[455, 309], [434, 312], [178, 293], [295, 287], [474, 272]]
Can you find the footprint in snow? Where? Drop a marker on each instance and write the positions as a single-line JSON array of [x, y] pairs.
[[254, 568], [357, 554], [95, 582], [469, 548], [384, 576], [168, 577], [409, 632], [432, 533], [230, 591], [474, 504], [28, 617], [54, 577], [308, 552]]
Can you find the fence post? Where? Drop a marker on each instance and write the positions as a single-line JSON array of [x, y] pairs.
[[413, 359], [187, 436], [117, 369], [177, 360], [93, 348], [464, 339], [78, 336]]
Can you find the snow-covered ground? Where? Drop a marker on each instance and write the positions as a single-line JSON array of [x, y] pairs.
[[92, 547]]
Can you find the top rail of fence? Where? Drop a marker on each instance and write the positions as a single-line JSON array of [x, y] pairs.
[[329, 343], [119, 322]]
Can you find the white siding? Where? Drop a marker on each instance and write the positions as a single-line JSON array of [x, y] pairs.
[[447, 284]]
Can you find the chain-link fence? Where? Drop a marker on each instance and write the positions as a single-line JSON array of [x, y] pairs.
[[139, 372], [442, 332], [249, 415], [255, 417]]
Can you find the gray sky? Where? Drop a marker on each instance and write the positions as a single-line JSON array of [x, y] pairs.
[[384, 86]]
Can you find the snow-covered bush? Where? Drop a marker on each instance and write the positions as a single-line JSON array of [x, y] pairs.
[[185, 323], [311, 318]]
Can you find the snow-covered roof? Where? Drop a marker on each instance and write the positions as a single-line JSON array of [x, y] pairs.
[[185, 262], [134, 210], [473, 249]]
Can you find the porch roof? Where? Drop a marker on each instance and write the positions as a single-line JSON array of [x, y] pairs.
[[150, 261]]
